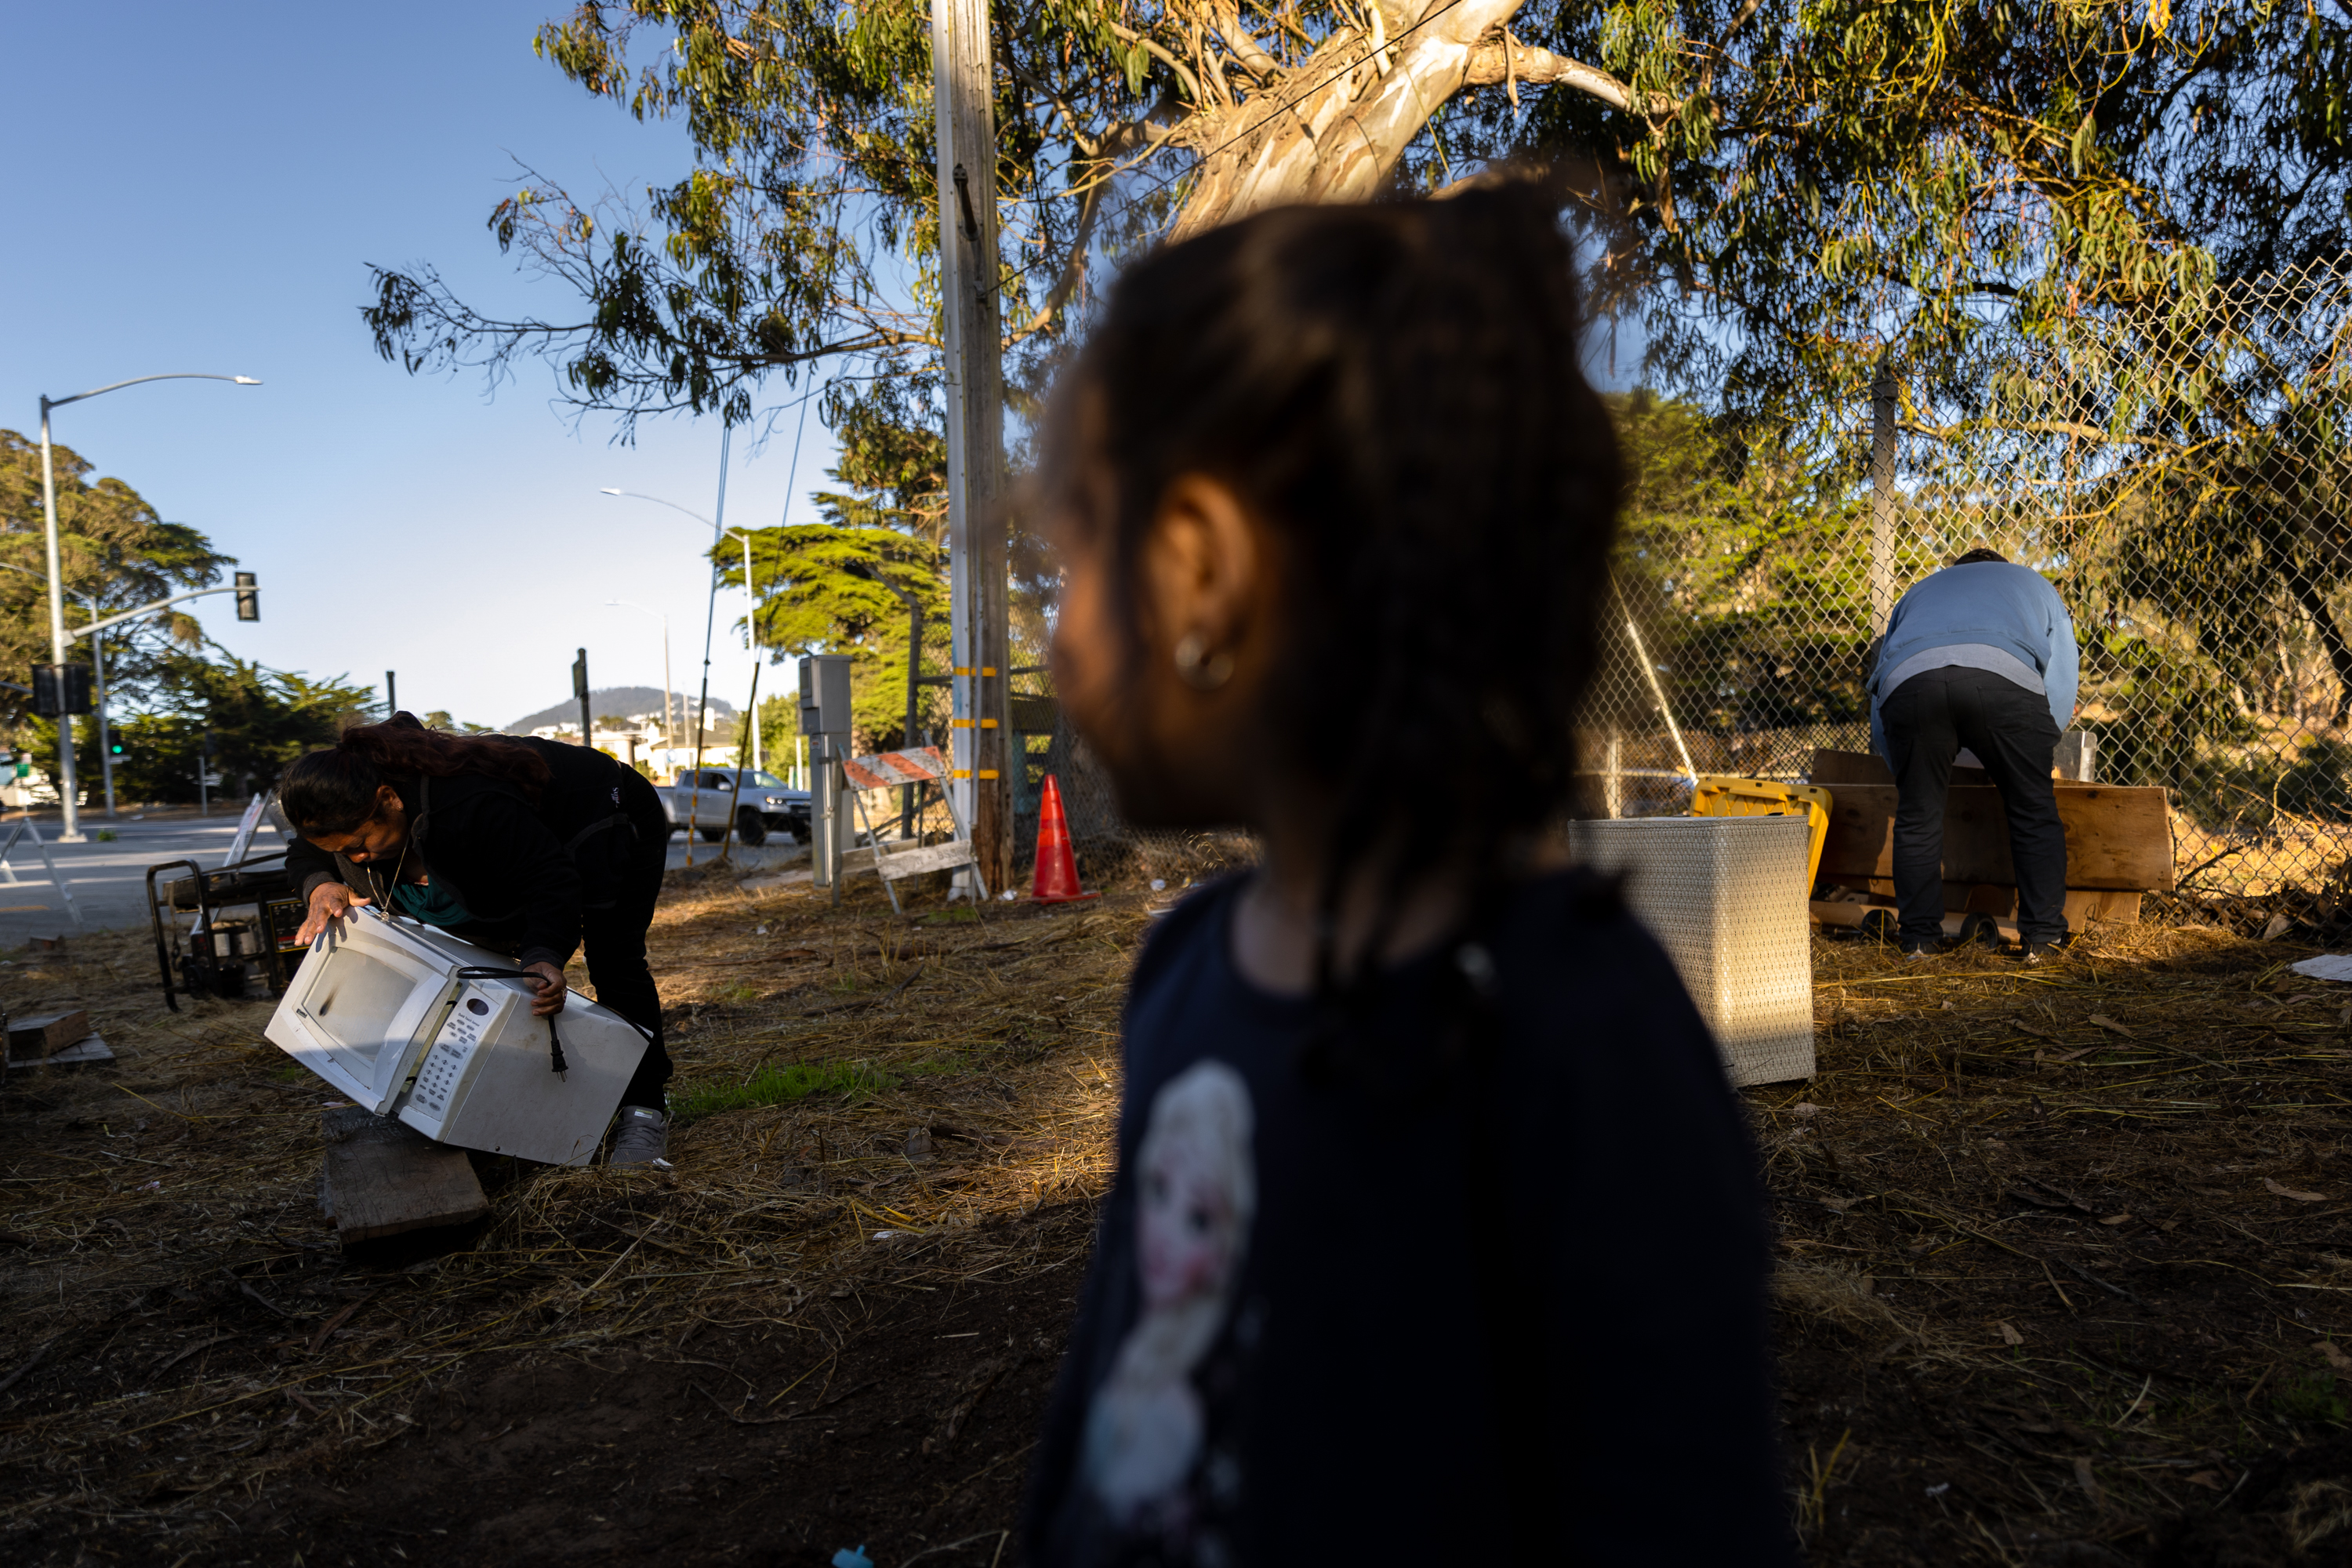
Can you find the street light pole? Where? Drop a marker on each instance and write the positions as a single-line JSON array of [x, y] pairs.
[[669, 732], [711, 616], [69, 808], [751, 636], [71, 826]]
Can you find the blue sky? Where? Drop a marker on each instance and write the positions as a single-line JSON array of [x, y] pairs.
[[216, 179]]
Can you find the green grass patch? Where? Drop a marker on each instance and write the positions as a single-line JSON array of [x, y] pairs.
[[291, 1074], [781, 1086], [2311, 1399], [960, 914]]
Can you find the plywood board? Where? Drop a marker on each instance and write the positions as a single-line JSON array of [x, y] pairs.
[[383, 1178], [2117, 837], [88, 1050], [1832, 768]]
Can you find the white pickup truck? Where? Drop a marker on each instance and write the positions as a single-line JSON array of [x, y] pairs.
[[765, 805]]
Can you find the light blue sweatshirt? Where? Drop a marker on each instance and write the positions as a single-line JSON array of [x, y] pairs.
[[1990, 615]]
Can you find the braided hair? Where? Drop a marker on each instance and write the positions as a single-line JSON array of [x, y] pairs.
[[333, 790], [1394, 389]]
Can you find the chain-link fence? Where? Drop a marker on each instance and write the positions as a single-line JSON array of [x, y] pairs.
[[1111, 850], [2178, 468]]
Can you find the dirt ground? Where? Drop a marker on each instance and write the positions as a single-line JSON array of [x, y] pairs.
[[2063, 1270]]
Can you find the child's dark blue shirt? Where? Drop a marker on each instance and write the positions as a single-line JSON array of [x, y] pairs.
[[1289, 1349]]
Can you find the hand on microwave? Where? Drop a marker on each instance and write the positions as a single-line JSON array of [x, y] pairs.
[[330, 901]]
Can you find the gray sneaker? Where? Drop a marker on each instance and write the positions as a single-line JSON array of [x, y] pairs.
[[640, 1138]]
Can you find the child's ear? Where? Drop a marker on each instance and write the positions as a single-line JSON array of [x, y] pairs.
[[1204, 565]]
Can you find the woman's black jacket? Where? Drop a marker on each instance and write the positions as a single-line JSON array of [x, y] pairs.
[[523, 871]]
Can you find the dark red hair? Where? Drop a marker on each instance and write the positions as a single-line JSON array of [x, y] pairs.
[[334, 791]]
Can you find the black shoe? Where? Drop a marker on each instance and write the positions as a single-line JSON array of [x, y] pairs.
[[2044, 952], [1913, 949]]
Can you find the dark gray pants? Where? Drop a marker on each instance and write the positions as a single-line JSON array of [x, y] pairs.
[[613, 941], [1926, 720]]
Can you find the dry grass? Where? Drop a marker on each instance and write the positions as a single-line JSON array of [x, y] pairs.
[[2046, 1276], [2059, 1249], [187, 1176]]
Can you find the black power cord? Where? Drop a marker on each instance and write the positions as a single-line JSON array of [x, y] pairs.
[[555, 1041]]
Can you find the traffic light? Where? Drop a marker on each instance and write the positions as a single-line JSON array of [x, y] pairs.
[[60, 688], [249, 598], [116, 749]]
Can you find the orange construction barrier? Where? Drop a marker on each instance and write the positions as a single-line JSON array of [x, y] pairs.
[[1057, 867]]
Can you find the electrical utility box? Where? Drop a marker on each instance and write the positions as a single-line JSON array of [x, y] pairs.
[[825, 721], [825, 694], [385, 1010]]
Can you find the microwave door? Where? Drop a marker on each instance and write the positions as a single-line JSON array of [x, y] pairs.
[[365, 1001]]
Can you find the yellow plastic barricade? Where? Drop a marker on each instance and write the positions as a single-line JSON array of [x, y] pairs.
[[1722, 795]]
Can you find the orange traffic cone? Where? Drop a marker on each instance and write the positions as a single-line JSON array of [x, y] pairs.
[[1057, 868]]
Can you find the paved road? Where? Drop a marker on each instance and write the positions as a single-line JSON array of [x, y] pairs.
[[109, 880]]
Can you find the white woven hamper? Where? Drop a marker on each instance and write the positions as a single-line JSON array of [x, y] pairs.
[[1725, 896]]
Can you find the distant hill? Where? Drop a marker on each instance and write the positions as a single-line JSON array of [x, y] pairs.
[[620, 700]]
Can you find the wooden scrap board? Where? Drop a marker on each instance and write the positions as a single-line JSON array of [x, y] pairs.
[[29, 1039], [2118, 841], [383, 1177], [2118, 837]]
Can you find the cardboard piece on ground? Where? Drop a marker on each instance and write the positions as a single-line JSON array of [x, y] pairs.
[[2328, 966], [383, 1177], [47, 1033], [89, 1048]]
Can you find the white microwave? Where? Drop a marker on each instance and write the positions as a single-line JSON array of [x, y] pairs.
[[379, 1009]]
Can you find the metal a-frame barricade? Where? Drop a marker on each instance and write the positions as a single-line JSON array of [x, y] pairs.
[[920, 767]]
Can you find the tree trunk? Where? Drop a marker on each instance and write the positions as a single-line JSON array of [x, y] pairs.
[[1332, 129], [2331, 637]]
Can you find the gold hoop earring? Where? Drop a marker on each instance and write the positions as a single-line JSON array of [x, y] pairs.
[[1200, 670]]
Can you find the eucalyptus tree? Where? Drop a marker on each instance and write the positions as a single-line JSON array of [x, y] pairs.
[[1788, 188]]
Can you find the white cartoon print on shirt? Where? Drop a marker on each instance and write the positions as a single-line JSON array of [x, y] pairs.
[[1196, 1193]]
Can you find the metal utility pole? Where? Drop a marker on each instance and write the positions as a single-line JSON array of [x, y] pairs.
[[70, 832], [70, 808], [391, 695], [98, 708], [1882, 395], [579, 689], [977, 546]]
